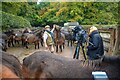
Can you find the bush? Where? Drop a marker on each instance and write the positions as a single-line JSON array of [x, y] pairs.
[[10, 21]]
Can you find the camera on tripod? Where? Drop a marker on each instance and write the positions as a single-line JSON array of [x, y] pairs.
[[79, 34]]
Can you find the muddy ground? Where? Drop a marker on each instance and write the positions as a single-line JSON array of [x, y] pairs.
[[21, 52]]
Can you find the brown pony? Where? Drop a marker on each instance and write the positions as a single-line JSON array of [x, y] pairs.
[[9, 36], [30, 38], [59, 39], [35, 37], [11, 67], [18, 37], [42, 64]]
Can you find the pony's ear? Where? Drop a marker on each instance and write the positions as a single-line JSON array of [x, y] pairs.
[[24, 58]]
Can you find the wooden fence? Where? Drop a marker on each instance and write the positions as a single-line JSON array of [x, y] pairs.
[[109, 37]]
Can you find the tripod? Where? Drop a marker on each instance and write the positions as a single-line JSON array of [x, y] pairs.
[[76, 54]]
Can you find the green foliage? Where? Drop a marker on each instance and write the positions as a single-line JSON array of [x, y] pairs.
[[11, 7], [86, 13], [12, 21]]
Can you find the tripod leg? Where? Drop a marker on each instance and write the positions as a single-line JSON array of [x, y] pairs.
[[76, 54], [83, 51], [78, 49]]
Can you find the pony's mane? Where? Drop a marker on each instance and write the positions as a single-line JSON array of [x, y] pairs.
[[97, 63], [91, 63], [111, 59]]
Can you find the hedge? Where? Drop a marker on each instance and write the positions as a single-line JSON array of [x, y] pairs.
[[10, 21]]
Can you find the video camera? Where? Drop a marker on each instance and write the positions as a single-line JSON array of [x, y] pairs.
[[79, 34]]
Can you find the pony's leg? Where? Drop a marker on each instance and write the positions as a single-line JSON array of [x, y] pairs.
[[35, 44], [12, 43], [5, 47], [41, 42], [9, 44], [38, 45], [18, 41], [23, 43], [68, 42], [63, 45], [15, 41], [56, 48], [26, 44], [71, 42], [60, 46]]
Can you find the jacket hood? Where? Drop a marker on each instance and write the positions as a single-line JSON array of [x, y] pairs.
[[93, 28], [94, 32]]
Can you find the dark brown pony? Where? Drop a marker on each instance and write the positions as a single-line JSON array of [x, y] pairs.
[[11, 67], [68, 36], [9, 35], [59, 39], [42, 64], [35, 38], [30, 38], [40, 33], [18, 37]]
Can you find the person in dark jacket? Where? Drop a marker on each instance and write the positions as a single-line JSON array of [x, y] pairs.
[[95, 47]]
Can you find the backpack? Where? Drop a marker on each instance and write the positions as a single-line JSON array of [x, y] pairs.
[[50, 34]]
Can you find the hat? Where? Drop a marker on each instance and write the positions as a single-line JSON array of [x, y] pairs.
[[93, 28], [47, 26]]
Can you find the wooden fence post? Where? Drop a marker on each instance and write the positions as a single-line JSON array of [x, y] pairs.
[[112, 41], [117, 42]]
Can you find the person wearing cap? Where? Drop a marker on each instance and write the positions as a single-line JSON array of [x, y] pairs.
[[95, 46], [48, 38]]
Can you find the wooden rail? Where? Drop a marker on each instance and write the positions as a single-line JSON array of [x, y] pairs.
[[109, 38]]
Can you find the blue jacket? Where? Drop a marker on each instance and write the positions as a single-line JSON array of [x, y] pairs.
[[95, 47]]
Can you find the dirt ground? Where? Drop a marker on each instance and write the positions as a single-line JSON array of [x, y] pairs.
[[21, 52]]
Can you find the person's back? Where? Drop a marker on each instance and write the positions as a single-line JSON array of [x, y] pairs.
[[95, 47], [100, 47]]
